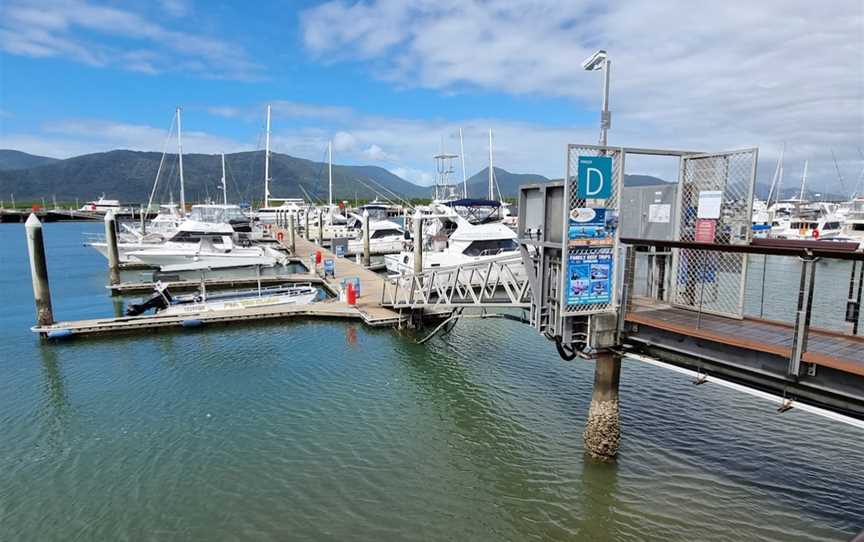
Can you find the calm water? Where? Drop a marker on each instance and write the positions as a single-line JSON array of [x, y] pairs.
[[331, 431]]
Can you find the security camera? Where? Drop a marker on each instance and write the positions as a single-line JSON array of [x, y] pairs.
[[595, 61]]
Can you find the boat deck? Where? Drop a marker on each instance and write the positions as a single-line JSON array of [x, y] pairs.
[[130, 288], [827, 348]]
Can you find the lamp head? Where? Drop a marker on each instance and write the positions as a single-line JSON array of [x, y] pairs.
[[595, 61]]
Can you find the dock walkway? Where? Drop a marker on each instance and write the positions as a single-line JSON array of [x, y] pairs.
[[371, 284]]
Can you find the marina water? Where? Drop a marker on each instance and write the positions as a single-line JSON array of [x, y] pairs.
[[327, 430]]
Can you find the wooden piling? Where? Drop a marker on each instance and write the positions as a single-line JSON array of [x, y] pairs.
[[306, 226], [321, 227], [292, 245], [418, 244], [111, 245], [39, 271], [603, 430], [366, 254]]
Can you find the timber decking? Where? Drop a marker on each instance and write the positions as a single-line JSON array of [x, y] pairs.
[[824, 347]]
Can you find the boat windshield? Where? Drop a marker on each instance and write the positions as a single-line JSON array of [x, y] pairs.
[[490, 247], [216, 215]]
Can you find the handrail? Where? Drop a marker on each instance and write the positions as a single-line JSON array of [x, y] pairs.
[[771, 247]]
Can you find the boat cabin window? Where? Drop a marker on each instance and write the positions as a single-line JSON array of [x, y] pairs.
[[194, 237], [831, 226], [217, 214], [858, 226], [378, 234], [489, 247]]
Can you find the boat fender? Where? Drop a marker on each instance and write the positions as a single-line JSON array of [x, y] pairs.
[[60, 334], [192, 322]]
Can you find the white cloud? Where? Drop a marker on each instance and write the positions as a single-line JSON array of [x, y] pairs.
[[376, 153], [705, 75], [343, 142], [80, 30]]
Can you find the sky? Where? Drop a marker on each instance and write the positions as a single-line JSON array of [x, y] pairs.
[[391, 82]]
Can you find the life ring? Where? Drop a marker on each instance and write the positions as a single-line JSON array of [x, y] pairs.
[[280, 236], [815, 234]]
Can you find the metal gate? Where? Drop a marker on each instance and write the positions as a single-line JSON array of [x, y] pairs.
[[715, 205]]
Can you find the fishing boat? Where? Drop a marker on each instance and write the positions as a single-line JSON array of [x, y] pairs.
[[853, 229], [103, 206], [166, 304]]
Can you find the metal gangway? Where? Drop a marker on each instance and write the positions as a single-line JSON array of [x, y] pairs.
[[499, 282]]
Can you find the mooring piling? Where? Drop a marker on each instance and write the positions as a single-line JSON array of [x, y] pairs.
[[602, 430], [321, 227], [306, 226], [111, 246], [366, 257], [418, 244], [292, 246], [39, 271], [144, 219]]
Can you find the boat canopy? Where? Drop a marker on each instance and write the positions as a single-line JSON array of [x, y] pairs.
[[473, 202]]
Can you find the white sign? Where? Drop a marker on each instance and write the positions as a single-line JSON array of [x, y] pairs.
[[659, 213], [709, 204]]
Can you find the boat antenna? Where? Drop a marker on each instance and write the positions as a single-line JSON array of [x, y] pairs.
[[491, 171], [803, 181], [224, 183], [180, 163], [267, 162], [462, 157], [839, 175], [330, 174]]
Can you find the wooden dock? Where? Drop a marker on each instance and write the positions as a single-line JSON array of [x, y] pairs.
[[371, 284], [368, 308]]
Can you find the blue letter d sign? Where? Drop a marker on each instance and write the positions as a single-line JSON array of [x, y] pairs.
[[594, 177]]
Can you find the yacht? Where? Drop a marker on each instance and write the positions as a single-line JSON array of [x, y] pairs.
[[102, 206], [293, 206], [763, 219], [809, 221], [385, 236], [467, 244], [854, 226]]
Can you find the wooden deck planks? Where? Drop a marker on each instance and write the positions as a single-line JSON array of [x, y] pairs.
[[824, 347]]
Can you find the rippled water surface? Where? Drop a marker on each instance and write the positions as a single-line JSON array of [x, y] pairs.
[[326, 430]]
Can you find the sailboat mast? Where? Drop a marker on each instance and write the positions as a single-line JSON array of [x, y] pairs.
[[180, 158], [803, 181], [491, 175], [267, 162], [330, 174], [224, 184], [462, 157]]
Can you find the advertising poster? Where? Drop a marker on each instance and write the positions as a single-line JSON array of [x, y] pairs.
[[592, 226], [590, 279]]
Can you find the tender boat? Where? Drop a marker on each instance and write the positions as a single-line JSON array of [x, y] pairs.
[[166, 305]]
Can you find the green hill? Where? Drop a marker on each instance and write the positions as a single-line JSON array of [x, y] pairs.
[[128, 176], [11, 159]]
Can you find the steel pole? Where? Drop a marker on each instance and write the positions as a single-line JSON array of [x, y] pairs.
[[605, 115]]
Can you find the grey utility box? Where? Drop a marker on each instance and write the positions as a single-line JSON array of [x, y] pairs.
[[648, 212]]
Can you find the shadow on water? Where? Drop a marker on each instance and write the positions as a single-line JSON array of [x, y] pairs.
[[503, 452]]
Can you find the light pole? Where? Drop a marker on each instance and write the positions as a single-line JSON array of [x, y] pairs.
[[600, 61]]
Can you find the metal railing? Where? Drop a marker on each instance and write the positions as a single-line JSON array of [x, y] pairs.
[[498, 282], [802, 288]]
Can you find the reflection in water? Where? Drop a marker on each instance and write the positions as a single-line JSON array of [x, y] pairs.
[[55, 410], [599, 490]]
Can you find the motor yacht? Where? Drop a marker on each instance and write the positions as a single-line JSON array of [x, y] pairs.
[[165, 304]]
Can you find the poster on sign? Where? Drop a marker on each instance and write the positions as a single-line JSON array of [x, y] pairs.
[[590, 278], [592, 226], [705, 230]]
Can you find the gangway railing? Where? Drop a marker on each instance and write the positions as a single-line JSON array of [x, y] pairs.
[[497, 282]]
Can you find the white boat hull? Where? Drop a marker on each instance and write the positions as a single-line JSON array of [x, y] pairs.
[[238, 304]]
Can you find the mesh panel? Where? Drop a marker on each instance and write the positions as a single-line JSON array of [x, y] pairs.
[[610, 203], [712, 281]]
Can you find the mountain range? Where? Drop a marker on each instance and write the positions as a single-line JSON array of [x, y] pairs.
[[129, 175]]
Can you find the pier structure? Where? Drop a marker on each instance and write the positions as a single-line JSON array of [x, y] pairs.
[[677, 301]]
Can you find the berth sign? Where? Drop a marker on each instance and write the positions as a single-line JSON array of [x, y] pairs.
[[594, 177]]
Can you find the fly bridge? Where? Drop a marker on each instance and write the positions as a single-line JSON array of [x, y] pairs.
[[678, 287]]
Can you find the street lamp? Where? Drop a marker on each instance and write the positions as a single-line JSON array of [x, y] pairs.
[[600, 61]]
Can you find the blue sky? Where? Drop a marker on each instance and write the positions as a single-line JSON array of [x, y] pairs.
[[387, 80]]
